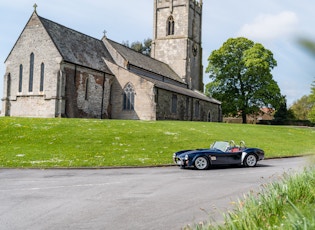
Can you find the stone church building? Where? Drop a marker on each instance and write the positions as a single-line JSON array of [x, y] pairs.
[[54, 71]]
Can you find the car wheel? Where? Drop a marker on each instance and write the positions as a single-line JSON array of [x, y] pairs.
[[250, 160], [201, 163]]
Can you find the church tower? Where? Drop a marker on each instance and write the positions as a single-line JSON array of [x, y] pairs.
[[177, 38]]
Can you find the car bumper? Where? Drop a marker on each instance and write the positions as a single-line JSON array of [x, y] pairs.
[[180, 162]]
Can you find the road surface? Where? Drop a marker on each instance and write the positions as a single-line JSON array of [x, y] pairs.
[[128, 198]]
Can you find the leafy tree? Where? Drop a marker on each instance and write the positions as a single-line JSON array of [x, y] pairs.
[[311, 100], [144, 48], [283, 114], [309, 45], [147, 46], [242, 79], [302, 107]]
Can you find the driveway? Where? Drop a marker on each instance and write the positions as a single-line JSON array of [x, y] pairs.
[[130, 198]]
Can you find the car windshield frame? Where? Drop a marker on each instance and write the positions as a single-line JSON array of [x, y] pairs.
[[220, 145]]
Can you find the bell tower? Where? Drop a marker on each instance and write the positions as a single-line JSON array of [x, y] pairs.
[[177, 38]]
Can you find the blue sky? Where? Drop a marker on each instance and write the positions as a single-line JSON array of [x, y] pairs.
[[275, 24]]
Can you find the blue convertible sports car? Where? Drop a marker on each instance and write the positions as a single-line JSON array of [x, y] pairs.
[[219, 153]]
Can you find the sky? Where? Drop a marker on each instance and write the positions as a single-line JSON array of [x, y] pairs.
[[276, 24]]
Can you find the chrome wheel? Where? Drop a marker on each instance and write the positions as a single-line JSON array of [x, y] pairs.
[[250, 160], [201, 163]]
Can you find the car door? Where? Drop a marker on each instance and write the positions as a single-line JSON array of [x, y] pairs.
[[226, 158]]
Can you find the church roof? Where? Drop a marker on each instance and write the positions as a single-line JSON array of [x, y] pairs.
[[183, 91], [81, 49], [76, 47], [145, 62]]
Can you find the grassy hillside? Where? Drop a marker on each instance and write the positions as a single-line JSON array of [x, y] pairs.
[[29, 142]]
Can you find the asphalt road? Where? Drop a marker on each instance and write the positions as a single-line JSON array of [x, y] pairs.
[[135, 198]]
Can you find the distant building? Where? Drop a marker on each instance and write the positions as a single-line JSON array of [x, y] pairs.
[[264, 114], [54, 71]]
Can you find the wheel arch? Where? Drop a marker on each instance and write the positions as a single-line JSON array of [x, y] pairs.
[[202, 155], [247, 163], [246, 153], [194, 161]]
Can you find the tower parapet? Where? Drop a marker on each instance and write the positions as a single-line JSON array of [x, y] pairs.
[[168, 3]]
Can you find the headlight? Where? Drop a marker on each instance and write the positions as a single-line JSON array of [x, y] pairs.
[[186, 157], [174, 155]]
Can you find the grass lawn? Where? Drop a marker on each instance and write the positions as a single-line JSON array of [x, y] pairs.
[[39, 143]]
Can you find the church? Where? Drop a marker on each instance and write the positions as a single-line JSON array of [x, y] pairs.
[[55, 71]]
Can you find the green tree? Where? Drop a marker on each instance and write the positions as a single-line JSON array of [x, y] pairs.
[[302, 107], [310, 46], [311, 100], [144, 48], [242, 79], [283, 114]]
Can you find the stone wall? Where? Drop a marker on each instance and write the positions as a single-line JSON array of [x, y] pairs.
[[187, 108], [34, 39], [87, 92], [144, 105]]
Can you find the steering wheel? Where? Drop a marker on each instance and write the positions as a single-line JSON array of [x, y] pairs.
[[242, 144]]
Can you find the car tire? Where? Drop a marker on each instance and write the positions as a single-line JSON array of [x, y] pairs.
[[201, 163], [250, 160]]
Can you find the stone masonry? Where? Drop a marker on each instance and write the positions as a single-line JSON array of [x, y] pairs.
[[54, 71]]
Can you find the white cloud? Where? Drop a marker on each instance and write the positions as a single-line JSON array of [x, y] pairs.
[[269, 27]]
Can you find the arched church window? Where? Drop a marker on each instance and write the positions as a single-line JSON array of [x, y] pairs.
[[20, 78], [174, 103], [87, 89], [170, 26], [9, 85], [30, 85], [209, 116], [197, 108], [187, 106], [42, 77], [129, 97]]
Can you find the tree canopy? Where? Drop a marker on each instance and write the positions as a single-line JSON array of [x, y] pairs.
[[310, 46], [144, 48], [311, 100], [302, 107], [242, 79], [283, 114]]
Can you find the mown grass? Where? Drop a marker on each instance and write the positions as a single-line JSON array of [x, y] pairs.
[[285, 205], [38, 143]]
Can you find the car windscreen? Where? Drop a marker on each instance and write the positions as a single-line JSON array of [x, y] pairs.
[[221, 145]]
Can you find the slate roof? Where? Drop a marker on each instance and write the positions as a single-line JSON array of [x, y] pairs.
[[155, 66], [76, 47], [183, 91], [145, 62]]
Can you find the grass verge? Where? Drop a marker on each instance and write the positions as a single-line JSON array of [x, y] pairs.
[[285, 205], [44, 143]]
